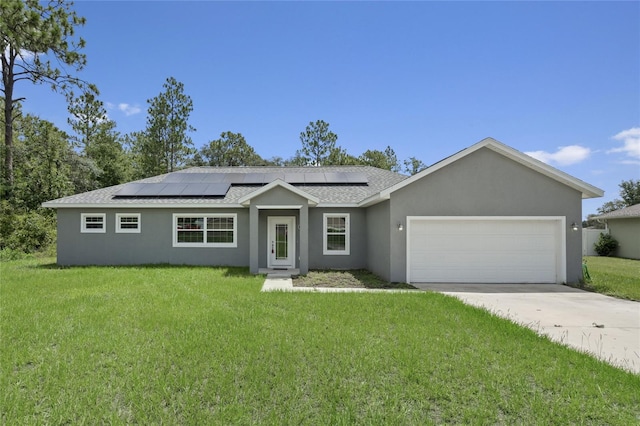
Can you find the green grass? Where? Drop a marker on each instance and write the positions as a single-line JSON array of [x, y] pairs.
[[614, 276], [183, 345]]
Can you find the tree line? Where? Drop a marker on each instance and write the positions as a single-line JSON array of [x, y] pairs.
[[41, 162]]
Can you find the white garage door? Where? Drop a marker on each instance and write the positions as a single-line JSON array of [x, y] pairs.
[[485, 250]]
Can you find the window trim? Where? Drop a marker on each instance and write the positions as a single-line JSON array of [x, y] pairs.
[[120, 230], [205, 216], [83, 223], [347, 233]]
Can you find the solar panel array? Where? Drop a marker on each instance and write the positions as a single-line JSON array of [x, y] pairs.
[[265, 178], [137, 190], [217, 184]]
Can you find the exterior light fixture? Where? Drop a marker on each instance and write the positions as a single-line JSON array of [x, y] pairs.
[[400, 226], [574, 226]]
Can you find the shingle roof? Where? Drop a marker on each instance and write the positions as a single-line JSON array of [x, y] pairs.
[[378, 180], [625, 213]]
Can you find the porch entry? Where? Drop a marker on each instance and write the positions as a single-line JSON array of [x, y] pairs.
[[281, 242]]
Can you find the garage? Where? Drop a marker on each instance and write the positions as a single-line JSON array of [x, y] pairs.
[[485, 249]]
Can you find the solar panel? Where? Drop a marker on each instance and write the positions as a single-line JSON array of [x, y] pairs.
[[129, 190], [151, 189], [174, 190], [357, 178], [205, 190], [175, 177], [314, 178], [194, 177], [254, 178], [216, 189], [274, 176], [332, 177], [234, 178], [294, 178], [213, 177]]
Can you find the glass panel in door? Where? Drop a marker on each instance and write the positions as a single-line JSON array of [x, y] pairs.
[[282, 241]]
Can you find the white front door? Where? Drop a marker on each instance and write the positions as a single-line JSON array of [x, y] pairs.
[[281, 241]]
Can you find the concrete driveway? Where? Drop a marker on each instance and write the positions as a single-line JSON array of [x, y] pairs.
[[603, 326]]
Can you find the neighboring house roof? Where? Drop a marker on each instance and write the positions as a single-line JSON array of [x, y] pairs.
[[366, 185], [625, 213], [341, 194]]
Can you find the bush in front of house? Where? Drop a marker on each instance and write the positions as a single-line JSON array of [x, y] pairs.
[[605, 245], [26, 232]]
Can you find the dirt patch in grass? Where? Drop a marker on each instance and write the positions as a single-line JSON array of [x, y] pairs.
[[356, 278]]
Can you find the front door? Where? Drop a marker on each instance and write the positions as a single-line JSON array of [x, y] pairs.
[[281, 242]]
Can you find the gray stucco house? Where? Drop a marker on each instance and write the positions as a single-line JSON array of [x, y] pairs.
[[488, 213], [624, 226]]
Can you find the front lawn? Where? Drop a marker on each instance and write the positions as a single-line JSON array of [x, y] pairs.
[[188, 345], [614, 276]]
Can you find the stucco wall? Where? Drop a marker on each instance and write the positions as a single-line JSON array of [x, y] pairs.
[[378, 233], [357, 257], [154, 244], [627, 233], [485, 183]]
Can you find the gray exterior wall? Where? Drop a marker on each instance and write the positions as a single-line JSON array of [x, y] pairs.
[[379, 235], [485, 183], [357, 258], [627, 233], [154, 244]]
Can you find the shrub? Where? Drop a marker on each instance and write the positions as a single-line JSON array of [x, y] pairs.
[[605, 245], [7, 254], [26, 232]]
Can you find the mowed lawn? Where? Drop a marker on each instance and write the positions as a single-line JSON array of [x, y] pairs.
[[185, 345], [614, 276]]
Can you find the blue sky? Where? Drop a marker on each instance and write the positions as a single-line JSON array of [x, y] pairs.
[[557, 79]]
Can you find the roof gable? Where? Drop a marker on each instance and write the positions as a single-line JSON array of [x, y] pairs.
[[246, 200], [588, 191]]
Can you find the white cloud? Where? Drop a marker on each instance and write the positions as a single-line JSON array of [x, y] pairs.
[[631, 144], [564, 156], [129, 109], [23, 55]]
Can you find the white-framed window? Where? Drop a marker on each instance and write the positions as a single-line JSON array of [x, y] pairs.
[[205, 230], [128, 223], [93, 223], [335, 234]]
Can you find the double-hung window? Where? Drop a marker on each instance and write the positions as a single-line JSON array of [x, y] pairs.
[[128, 223], [205, 230], [336, 234], [93, 223]]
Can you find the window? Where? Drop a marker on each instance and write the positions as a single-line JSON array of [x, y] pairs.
[[210, 230], [93, 222], [336, 234], [128, 223]]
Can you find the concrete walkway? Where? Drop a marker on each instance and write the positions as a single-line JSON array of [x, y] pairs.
[[603, 326]]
